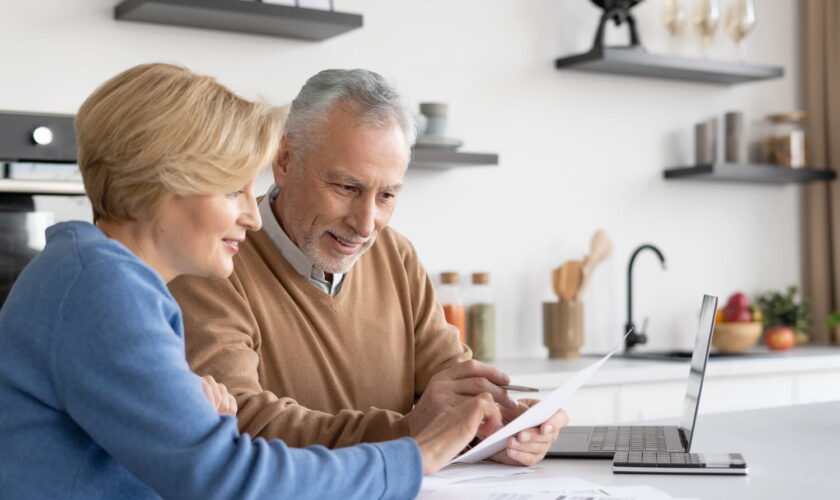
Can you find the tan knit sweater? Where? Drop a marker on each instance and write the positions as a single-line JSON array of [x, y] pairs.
[[313, 369]]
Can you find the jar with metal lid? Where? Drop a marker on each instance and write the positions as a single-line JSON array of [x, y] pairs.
[[453, 304], [481, 318], [785, 143]]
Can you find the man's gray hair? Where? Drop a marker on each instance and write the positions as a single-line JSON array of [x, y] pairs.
[[377, 101]]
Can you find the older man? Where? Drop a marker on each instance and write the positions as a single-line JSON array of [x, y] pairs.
[[328, 332]]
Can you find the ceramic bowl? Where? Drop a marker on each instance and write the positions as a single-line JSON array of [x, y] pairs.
[[736, 337]]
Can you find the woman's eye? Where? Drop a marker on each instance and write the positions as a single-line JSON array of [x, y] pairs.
[[236, 194]]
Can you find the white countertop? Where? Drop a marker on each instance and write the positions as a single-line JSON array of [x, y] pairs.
[[791, 453], [547, 374]]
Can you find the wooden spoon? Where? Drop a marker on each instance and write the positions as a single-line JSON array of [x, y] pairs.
[[570, 279]]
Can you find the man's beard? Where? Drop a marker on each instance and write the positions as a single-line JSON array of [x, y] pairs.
[[333, 263]]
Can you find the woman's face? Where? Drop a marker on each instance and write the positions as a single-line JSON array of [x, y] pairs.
[[200, 234]]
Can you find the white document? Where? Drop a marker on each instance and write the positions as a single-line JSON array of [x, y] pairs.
[[568, 488], [474, 474], [534, 416]]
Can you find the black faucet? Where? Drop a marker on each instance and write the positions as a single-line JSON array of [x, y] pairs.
[[637, 336]]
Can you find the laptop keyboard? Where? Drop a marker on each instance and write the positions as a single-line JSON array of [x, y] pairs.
[[628, 438]]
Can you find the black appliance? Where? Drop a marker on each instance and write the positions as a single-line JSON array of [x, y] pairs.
[[29, 138]]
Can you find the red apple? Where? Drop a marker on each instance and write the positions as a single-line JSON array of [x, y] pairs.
[[734, 314], [779, 338], [739, 301]]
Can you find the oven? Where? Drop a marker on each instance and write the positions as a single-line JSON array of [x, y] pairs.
[[38, 158]]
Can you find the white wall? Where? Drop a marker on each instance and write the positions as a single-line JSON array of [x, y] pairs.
[[578, 151]]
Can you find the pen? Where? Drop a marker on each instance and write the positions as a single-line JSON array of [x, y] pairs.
[[519, 388]]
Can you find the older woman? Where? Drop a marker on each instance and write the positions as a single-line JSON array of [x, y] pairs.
[[96, 398]]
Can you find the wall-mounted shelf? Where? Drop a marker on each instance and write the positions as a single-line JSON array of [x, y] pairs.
[[754, 173], [441, 159], [241, 16], [73, 188], [637, 62]]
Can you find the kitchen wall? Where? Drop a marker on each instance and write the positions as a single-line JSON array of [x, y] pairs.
[[578, 151]]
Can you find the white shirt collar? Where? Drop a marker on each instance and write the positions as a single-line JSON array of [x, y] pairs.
[[292, 253]]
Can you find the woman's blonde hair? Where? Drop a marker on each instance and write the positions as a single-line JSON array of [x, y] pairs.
[[157, 130]]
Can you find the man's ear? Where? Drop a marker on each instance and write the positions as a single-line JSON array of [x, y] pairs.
[[280, 165]]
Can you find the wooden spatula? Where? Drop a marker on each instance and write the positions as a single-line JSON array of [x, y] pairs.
[[569, 280], [600, 249]]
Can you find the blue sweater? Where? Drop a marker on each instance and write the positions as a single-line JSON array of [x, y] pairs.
[[97, 400]]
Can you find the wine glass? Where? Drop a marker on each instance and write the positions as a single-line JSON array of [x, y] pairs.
[[740, 20], [706, 19], [673, 17]]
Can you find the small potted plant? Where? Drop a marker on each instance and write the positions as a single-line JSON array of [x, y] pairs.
[[786, 320], [832, 324]]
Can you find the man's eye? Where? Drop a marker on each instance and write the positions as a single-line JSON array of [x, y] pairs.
[[346, 188], [388, 196]]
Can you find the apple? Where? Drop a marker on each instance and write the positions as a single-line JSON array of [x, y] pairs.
[[779, 338], [738, 301], [736, 314]]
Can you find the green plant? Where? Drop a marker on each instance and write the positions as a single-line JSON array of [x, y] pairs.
[[782, 309], [832, 320]]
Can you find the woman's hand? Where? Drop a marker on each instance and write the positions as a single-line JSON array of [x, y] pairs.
[[219, 397], [451, 431]]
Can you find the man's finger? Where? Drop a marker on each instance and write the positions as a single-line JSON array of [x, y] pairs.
[[473, 368], [474, 386]]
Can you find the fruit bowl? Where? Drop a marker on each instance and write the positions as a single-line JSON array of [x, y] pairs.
[[736, 337]]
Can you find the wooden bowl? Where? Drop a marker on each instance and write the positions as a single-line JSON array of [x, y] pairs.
[[736, 337]]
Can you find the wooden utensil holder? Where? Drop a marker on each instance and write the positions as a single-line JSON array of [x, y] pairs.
[[563, 328]]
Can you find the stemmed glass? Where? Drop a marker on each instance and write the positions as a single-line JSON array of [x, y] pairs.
[[740, 20], [706, 19]]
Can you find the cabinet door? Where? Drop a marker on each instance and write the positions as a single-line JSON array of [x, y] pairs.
[[650, 401], [817, 387], [746, 392]]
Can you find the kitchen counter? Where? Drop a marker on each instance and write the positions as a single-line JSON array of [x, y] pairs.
[[790, 452], [548, 374], [639, 389]]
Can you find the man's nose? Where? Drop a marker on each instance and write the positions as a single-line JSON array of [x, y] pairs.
[[363, 216]]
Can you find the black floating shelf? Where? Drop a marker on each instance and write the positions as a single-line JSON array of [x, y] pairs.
[[241, 16], [441, 159], [755, 173], [637, 62]]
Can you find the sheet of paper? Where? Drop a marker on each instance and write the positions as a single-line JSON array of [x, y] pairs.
[[473, 473], [534, 416], [567, 488]]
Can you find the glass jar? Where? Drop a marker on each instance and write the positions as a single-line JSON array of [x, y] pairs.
[[453, 304], [785, 144], [481, 318]]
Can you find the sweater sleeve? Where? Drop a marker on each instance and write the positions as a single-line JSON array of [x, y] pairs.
[[436, 342], [120, 372], [222, 339]]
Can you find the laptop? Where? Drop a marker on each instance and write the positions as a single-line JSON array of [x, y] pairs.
[[604, 441]]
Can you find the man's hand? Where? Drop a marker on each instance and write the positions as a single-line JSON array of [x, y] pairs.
[[448, 434], [529, 446], [454, 385], [219, 397]]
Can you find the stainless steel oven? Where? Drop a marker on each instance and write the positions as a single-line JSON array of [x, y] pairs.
[[31, 143]]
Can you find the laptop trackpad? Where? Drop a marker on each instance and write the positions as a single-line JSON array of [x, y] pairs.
[[572, 441]]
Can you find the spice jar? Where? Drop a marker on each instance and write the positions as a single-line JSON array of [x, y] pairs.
[[785, 145], [453, 304], [481, 318]]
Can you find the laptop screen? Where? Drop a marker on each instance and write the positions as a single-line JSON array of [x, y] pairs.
[[699, 358]]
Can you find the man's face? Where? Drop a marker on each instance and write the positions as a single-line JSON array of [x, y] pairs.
[[334, 201]]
